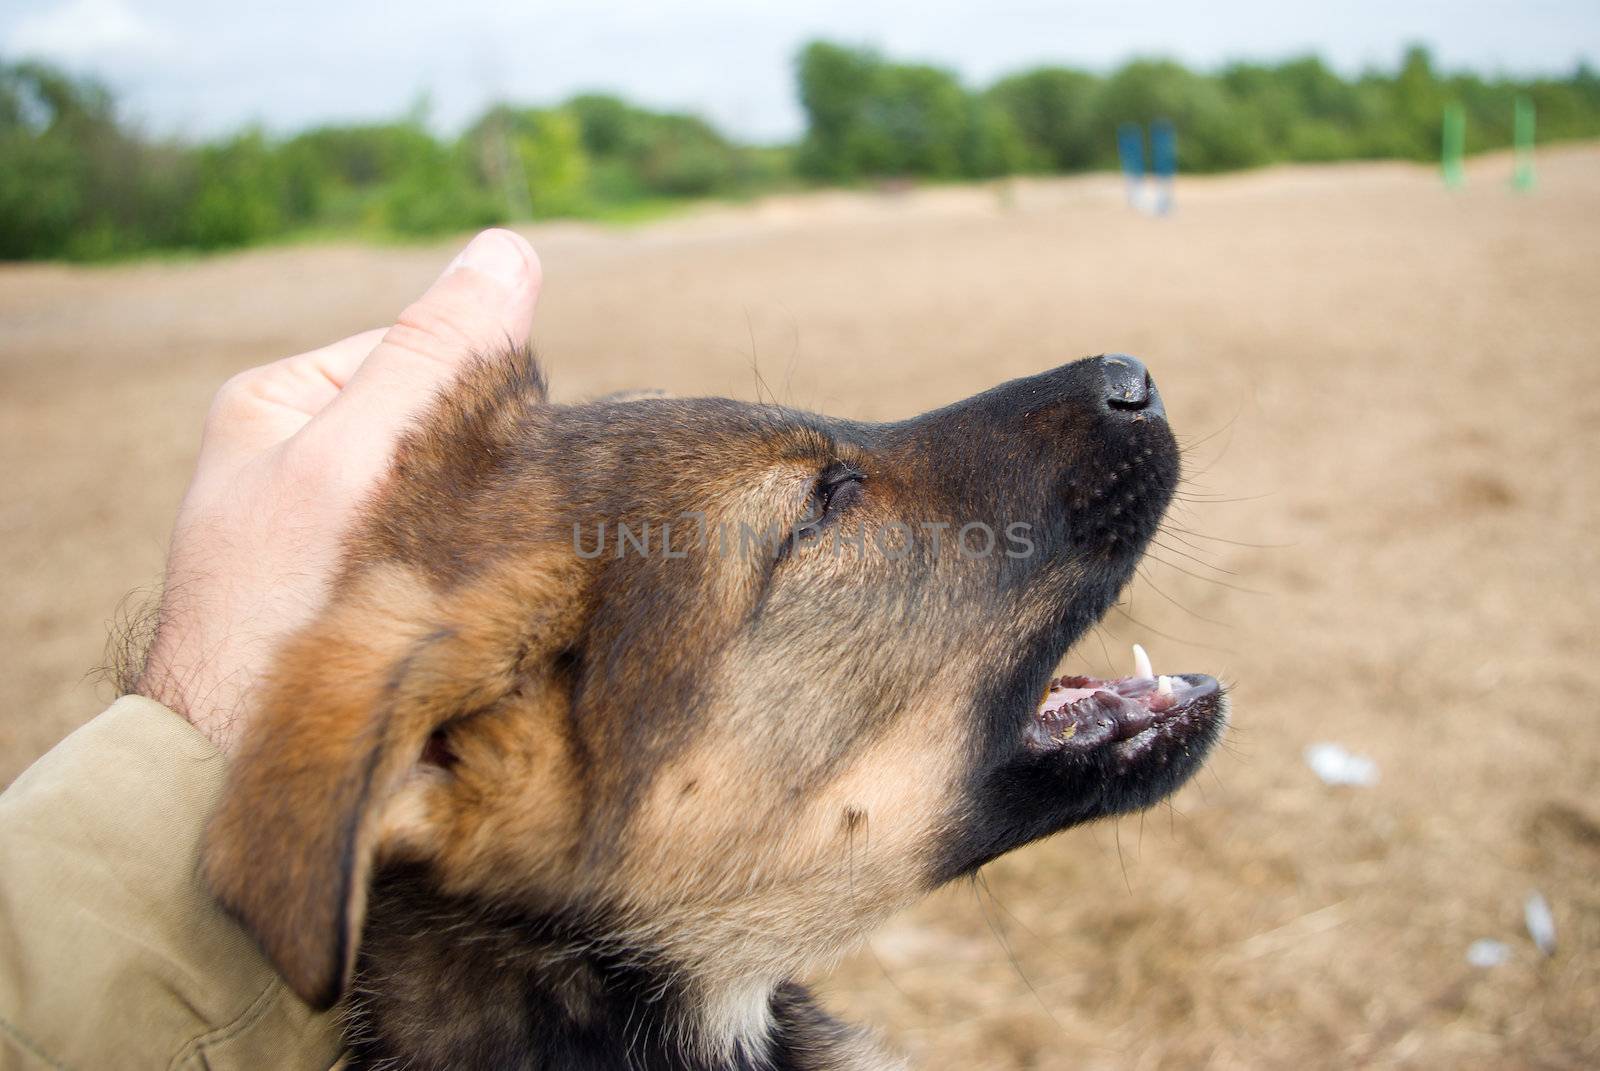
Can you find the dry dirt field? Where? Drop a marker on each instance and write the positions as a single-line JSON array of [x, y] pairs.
[[1389, 541]]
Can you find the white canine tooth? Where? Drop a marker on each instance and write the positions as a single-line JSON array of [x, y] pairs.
[[1141, 663], [1164, 686]]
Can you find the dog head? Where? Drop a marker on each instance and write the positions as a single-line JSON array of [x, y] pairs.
[[717, 684]]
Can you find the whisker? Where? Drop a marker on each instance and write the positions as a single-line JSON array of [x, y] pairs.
[[1231, 542], [893, 982], [1193, 558], [1193, 613], [850, 841], [1099, 634], [999, 935], [1168, 636], [1177, 533], [1188, 445], [1116, 830], [1203, 577], [1190, 481], [755, 366], [1215, 500], [1001, 904]]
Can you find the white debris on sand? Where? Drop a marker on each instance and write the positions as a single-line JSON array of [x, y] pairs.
[[1486, 952], [1541, 922], [1336, 766]]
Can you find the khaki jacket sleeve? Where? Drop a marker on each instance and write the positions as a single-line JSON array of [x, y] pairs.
[[112, 953]]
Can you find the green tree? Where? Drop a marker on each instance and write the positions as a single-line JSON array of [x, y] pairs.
[[70, 176], [1214, 132], [1052, 112], [1418, 101], [866, 117], [1304, 110], [835, 86]]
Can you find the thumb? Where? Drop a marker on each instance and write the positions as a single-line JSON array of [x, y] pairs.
[[483, 302]]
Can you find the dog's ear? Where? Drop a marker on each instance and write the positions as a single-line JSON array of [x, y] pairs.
[[345, 718]]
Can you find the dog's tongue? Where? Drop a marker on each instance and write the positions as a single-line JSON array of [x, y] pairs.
[[1087, 711]]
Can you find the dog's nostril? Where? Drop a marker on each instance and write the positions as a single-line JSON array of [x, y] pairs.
[[1128, 386]]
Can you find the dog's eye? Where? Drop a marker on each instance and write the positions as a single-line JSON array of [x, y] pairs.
[[838, 488]]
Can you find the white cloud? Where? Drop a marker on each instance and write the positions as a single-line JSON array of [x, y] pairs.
[[82, 32]]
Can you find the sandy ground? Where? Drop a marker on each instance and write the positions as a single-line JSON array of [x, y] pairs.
[[1393, 390]]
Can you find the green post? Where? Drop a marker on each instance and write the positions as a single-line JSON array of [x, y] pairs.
[[1522, 139], [1455, 145]]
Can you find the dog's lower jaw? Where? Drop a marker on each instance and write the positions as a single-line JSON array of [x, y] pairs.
[[443, 984]]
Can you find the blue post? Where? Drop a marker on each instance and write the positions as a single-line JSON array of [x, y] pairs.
[[1164, 162], [1130, 149]]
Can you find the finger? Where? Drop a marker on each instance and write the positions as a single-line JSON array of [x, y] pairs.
[[335, 364], [261, 407], [307, 382], [483, 301]]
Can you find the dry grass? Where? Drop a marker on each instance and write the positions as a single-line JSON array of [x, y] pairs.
[[1392, 387]]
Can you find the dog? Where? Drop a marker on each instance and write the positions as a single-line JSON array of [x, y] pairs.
[[621, 717]]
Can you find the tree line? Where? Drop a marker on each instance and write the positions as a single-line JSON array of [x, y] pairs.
[[869, 116], [79, 181]]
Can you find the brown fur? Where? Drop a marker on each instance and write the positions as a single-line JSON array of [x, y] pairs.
[[664, 784]]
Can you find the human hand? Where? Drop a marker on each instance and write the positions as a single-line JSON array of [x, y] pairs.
[[290, 451]]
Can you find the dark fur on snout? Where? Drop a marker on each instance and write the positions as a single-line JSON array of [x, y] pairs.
[[523, 802]]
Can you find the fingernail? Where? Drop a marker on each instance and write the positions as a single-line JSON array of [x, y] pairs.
[[501, 255]]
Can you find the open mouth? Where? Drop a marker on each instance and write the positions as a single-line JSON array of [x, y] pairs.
[[1086, 713]]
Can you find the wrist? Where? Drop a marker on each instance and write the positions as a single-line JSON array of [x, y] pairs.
[[175, 676]]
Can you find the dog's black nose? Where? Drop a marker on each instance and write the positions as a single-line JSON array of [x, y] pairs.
[[1128, 386]]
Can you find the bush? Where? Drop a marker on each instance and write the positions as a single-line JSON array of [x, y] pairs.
[[239, 197], [653, 154], [993, 144], [533, 160], [436, 192]]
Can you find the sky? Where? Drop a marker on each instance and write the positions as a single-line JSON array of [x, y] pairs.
[[197, 68]]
